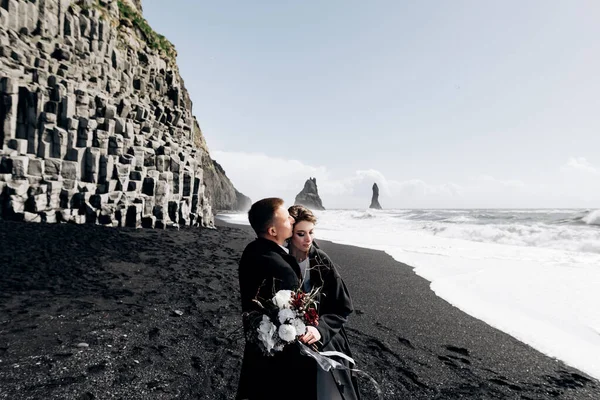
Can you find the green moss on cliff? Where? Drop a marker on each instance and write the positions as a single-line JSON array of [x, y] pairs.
[[154, 40]]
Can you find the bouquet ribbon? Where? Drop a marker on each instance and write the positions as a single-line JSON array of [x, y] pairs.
[[322, 358], [326, 363]]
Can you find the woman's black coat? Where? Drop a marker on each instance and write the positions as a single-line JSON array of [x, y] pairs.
[[335, 305]]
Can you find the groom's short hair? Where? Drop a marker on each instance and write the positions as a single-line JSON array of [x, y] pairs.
[[262, 212]]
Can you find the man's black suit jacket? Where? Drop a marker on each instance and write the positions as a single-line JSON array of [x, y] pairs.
[[264, 269]]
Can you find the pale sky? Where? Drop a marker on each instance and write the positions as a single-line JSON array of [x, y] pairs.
[[442, 103]]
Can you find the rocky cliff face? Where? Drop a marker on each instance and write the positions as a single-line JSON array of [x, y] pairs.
[[309, 195], [219, 188], [95, 121], [137, 4]]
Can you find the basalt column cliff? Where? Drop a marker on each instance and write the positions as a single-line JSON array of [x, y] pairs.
[[95, 122]]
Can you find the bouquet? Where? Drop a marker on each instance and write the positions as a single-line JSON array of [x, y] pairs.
[[283, 319]]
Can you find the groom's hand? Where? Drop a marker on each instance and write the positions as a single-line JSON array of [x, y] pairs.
[[311, 336]]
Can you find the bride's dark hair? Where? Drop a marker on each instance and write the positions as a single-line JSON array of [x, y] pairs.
[[301, 213]]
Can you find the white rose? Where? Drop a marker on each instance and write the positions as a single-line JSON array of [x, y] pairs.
[[287, 332], [266, 330], [285, 315], [299, 326], [282, 298]]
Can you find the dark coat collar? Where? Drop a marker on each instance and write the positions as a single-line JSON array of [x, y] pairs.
[[262, 244], [269, 244]]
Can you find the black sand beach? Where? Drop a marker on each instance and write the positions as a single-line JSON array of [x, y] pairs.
[[97, 313]]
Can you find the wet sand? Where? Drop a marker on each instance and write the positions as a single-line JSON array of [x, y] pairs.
[[88, 312]]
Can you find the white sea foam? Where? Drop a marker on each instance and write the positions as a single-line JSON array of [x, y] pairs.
[[574, 238], [533, 274], [593, 218], [362, 214]]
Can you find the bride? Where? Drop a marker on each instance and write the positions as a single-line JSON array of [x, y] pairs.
[[334, 305]]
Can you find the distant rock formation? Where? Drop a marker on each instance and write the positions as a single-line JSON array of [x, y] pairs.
[[221, 193], [309, 196], [219, 189], [243, 202], [375, 199]]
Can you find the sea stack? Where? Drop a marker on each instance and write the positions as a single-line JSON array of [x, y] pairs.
[[309, 196], [375, 199]]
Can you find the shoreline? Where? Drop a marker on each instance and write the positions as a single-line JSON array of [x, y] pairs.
[[469, 341], [541, 296], [474, 358], [159, 313]]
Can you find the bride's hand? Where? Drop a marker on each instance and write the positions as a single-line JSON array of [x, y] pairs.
[[311, 336]]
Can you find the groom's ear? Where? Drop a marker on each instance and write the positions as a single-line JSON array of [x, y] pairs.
[[272, 231]]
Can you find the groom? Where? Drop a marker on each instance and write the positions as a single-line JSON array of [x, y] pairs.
[[265, 268], [265, 263]]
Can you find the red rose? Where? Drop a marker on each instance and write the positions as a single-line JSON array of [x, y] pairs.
[[298, 300], [311, 317]]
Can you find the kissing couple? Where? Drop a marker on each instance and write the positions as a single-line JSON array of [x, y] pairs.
[[284, 256]]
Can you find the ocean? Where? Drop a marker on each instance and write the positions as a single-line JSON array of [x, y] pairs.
[[534, 274]]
